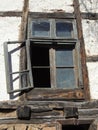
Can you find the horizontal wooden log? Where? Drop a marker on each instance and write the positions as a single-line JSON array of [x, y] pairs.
[[55, 94], [89, 15], [71, 121], [10, 13], [76, 121], [57, 14], [92, 58], [88, 112], [48, 105]]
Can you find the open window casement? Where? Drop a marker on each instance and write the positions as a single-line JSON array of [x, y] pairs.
[[17, 80], [55, 63]]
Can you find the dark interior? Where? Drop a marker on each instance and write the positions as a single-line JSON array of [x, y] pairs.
[[76, 127], [40, 66]]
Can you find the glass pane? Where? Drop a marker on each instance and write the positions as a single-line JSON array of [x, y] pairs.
[[41, 28], [65, 78], [64, 58], [64, 29]]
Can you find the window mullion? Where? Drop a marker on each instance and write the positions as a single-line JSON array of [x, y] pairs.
[[52, 68]]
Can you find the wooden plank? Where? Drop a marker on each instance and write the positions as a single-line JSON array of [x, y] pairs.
[[22, 36], [89, 15], [48, 105], [57, 14], [52, 67], [82, 49], [74, 121], [10, 13], [50, 94], [92, 58]]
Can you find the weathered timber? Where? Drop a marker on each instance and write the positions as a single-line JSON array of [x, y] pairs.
[[74, 121], [89, 15], [88, 112], [23, 57], [71, 112], [55, 94], [48, 105], [82, 49], [10, 14], [57, 14], [92, 58]]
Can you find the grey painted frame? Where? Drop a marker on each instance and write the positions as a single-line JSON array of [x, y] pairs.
[[8, 68]]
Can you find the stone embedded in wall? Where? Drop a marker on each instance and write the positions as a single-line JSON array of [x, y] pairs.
[[51, 6]]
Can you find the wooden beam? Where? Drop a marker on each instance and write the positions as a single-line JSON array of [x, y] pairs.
[[92, 58], [10, 13], [23, 36], [89, 15], [55, 94], [82, 49], [57, 14], [74, 121]]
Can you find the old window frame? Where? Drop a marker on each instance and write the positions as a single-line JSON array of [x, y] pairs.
[[72, 40]]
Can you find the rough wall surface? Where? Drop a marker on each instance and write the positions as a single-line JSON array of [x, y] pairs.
[[9, 31], [50, 5], [10, 5], [90, 34], [89, 6]]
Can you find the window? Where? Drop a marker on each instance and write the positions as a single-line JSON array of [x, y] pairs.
[[53, 63], [52, 28], [54, 53]]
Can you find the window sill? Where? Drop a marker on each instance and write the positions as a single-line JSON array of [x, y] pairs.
[[55, 94]]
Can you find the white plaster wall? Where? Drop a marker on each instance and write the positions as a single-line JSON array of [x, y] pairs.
[[89, 6], [93, 79], [90, 34], [50, 5], [11, 5], [9, 31]]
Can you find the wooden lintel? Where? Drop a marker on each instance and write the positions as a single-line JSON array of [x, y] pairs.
[[52, 15], [74, 121]]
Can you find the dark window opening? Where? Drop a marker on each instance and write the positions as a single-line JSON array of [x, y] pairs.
[[76, 127], [40, 66]]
